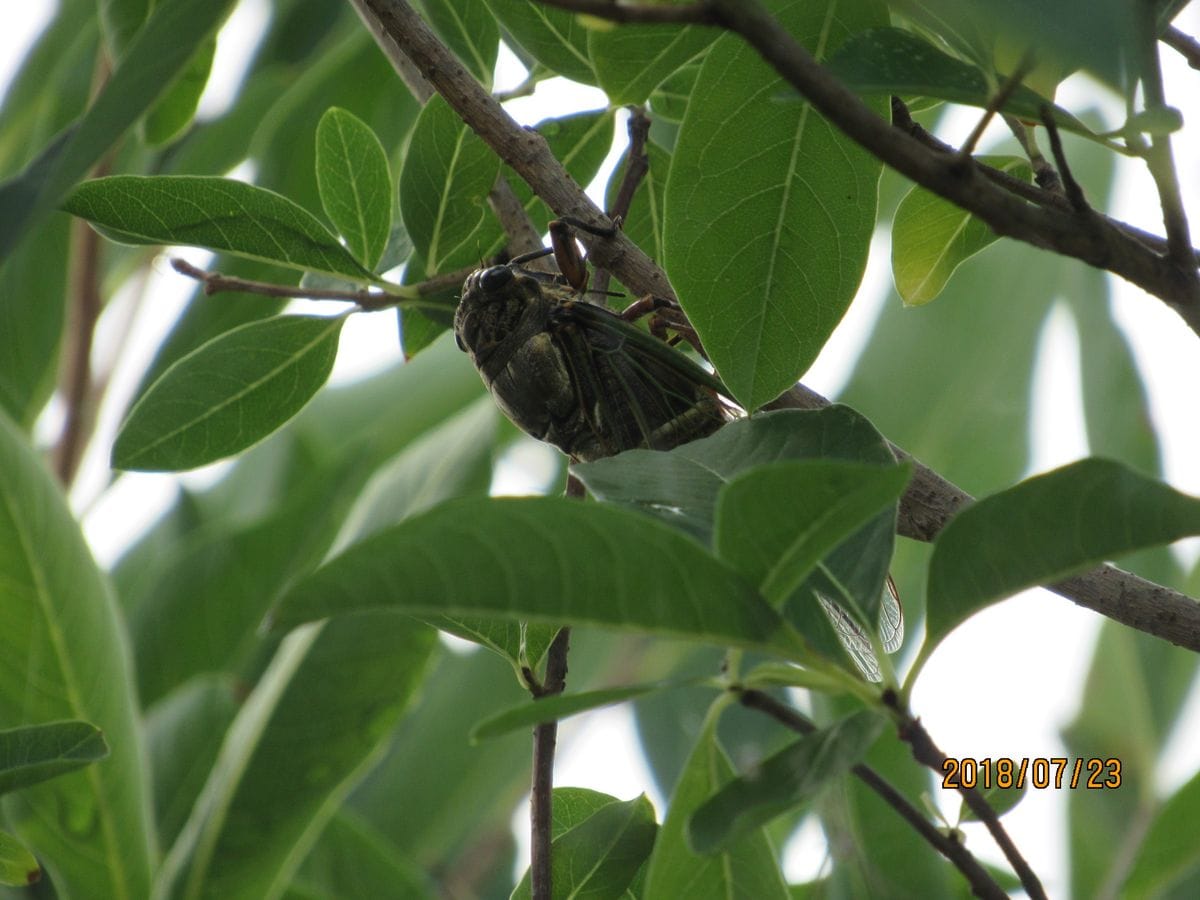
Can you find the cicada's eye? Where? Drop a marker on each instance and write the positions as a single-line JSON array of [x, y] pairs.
[[495, 278]]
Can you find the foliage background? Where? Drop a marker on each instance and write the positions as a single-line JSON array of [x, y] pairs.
[[978, 438]]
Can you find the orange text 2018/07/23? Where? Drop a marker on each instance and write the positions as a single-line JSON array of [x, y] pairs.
[[1040, 772]]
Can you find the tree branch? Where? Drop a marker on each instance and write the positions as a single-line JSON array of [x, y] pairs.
[[926, 752], [545, 737], [930, 500], [1093, 241], [982, 884], [1184, 44]]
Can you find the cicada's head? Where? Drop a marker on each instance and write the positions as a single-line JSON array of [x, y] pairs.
[[498, 302]]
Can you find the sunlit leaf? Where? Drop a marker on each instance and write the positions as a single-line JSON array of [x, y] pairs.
[[217, 213], [1047, 528], [356, 189], [769, 210]]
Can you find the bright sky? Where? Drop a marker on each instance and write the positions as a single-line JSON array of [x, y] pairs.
[[972, 698]]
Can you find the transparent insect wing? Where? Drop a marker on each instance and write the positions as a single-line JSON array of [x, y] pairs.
[[891, 618], [854, 639]]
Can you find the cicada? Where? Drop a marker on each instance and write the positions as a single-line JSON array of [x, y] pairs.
[[575, 374]]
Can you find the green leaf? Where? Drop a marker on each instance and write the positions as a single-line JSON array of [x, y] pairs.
[[769, 210], [789, 779], [447, 175], [632, 60], [176, 108], [184, 733], [217, 213], [1166, 856], [33, 753], [747, 868], [313, 725], [932, 237], [681, 486], [776, 522], [1047, 528], [229, 394], [893, 61], [159, 52], [352, 859], [554, 37], [356, 188], [18, 867], [469, 29], [572, 806], [90, 827], [559, 562], [559, 706], [602, 855], [31, 319]]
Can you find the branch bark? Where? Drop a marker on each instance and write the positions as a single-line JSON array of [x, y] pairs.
[[1091, 239], [930, 500]]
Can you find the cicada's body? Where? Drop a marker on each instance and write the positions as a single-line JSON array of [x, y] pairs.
[[576, 375]]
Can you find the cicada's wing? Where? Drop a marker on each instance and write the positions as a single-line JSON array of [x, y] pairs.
[[891, 618], [635, 391], [856, 641]]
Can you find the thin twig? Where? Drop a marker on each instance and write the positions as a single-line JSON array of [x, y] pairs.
[[926, 752], [1184, 44], [1043, 173], [1071, 187], [366, 300], [637, 165], [996, 103], [982, 884], [1159, 158], [545, 737], [1051, 199], [86, 304]]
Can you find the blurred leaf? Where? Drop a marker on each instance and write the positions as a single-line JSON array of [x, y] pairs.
[[576, 564], [931, 237], [559, 706], [787, 780], [352, 859], [275, 516], [18, 867], [748, 868], [443, 801], [776, 522], [681, 486], [1166, 856], [469, 29], [184, 734], [34, 753], [175, 109], [90, 827], [601, 855], [1047, 528], [217, 213], [669, 101], [1001, 799], [314, 724], [447, 175], [356, 188], [159, 52], [762, 196], [554, 37], [632, 60], [229, 394], [32, 309], [893, 61]]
